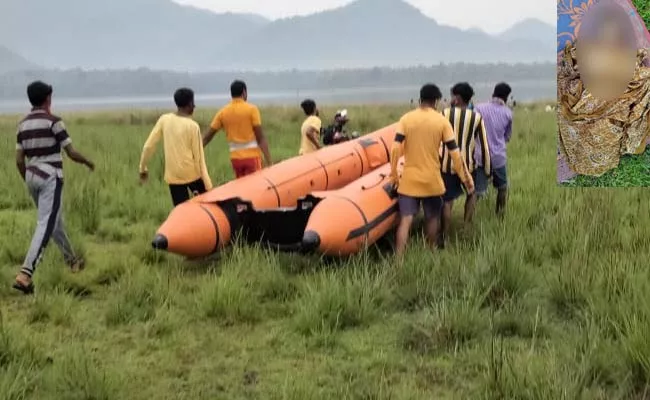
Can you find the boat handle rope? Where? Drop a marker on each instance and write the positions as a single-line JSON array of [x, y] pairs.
[[322, 165], [381, 179]]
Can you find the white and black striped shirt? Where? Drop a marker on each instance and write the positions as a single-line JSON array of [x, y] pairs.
[[41, 136]]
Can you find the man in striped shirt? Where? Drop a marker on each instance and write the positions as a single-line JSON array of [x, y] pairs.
[[468, 127], [40, 138]]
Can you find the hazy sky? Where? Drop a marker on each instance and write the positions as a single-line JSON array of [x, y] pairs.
[[489, 15]]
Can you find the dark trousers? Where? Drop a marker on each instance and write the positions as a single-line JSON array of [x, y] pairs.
[[182, 193]]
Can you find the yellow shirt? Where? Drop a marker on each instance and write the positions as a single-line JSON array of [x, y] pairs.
[[421, 133], [238, 118], [183, 147], [306, 145]]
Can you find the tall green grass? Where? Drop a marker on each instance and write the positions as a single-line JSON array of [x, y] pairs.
[[551, 303], [643, 7]]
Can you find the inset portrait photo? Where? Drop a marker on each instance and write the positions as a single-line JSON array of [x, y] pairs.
[[603, 93]]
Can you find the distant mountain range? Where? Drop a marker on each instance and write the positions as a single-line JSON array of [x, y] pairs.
[[161, 34], [10, 61], [531, 29]]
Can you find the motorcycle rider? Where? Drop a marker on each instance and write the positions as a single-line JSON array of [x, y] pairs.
[[336, 133]]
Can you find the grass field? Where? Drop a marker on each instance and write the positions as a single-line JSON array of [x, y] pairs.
[[551, 303]]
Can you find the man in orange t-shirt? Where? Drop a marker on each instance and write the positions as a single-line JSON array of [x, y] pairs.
[[243, 125]]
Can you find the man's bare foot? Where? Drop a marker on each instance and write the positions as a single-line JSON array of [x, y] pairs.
[[398, 259]]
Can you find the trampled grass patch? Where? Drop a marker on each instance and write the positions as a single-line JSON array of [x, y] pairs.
[[550, 303]]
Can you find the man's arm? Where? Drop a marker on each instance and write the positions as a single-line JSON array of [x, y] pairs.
[[312, 135], [441, 150], [149, 147], [261, 141], [314, 132], [20, 161], [78, 157], [215, 126], [396, 152], [485, 148], [508, 133], [260, 137], [62, 137], [449, 138], [199, 158]]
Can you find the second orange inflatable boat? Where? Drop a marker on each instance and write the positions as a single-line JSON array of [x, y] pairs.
[[206, 223], [348, 220]]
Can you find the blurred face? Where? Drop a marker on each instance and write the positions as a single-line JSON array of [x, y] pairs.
[[317, 112], [191, 107], [606, 54], [245, 95], [455, 100]]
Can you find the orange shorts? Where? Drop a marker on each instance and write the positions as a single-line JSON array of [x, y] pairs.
[[246, 166]]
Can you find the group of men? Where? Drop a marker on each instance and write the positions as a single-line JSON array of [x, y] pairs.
[[185, 168], [433, 174], [448, 153], [42, 136]]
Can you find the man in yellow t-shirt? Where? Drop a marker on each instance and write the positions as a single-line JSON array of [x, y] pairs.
[[243, 125], [310, 130], [185, 169], [419, 135]]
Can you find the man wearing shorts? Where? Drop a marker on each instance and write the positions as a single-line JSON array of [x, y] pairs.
[[468, 127], [185, 169], [419, 135], [498, 123], [243, 125]]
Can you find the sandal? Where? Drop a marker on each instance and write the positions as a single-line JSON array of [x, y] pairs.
[[26, 289], [77, 265]]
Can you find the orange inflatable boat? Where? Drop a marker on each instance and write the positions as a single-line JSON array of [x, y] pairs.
[[206, 223], [348, 220]]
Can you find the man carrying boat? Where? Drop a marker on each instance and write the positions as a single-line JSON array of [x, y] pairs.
[[311, 127], [419, 136], [243, 125], [468, 126], [498, 122], [185, 169]]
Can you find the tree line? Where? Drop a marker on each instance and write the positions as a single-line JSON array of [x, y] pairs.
[[146, 82]]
